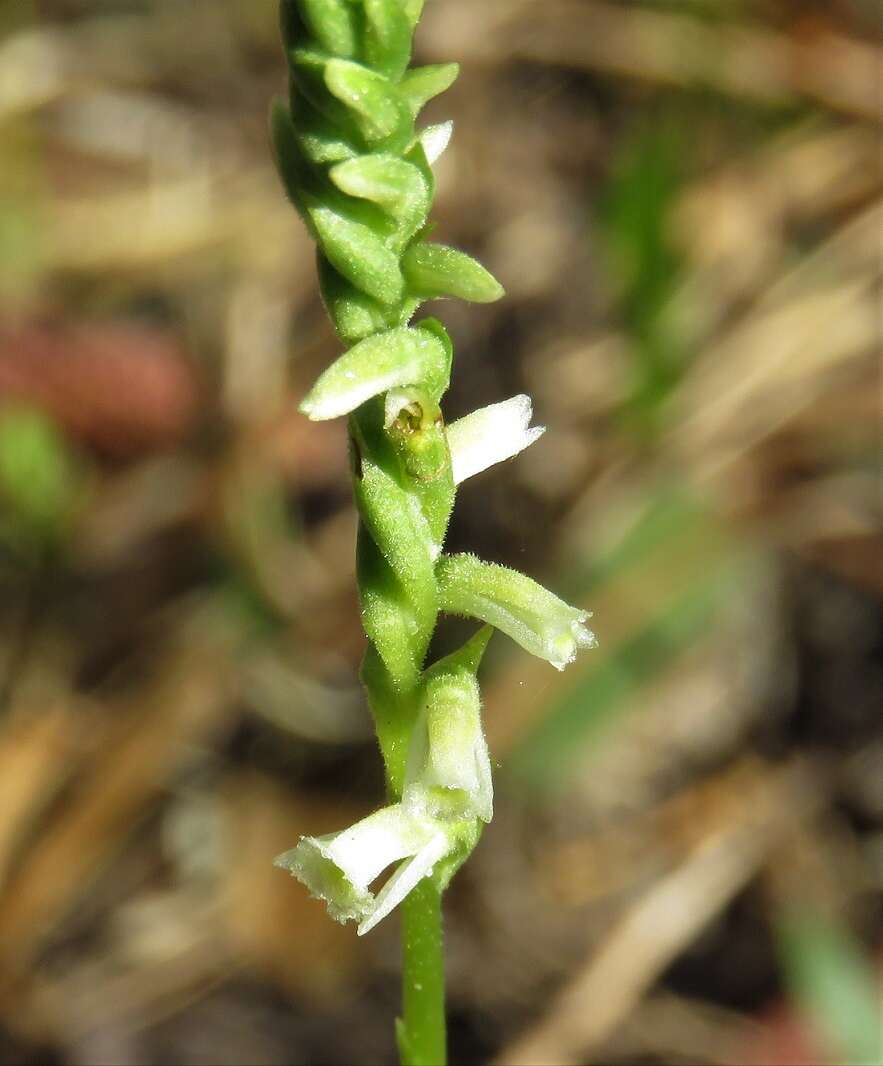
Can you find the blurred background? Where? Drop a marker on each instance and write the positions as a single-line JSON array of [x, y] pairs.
[[684, 201]]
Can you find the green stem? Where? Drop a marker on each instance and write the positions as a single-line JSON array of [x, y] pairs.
[[421, 1030]]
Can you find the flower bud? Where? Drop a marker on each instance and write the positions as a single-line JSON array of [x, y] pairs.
[[433, 270]]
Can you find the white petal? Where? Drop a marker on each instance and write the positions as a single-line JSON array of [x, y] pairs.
[[406, 878], [435, 139], [365, 849], [490, 435], [338, 868]]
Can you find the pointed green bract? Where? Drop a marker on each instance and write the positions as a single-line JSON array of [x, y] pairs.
[[374, 103], [375, 365], [357, 253], [422, 84], [396, 186], [437, 270], [392, 625]]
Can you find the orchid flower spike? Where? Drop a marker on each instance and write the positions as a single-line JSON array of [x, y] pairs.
[[490, 435]]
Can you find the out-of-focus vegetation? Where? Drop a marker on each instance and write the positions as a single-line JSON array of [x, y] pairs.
[[685, 203]]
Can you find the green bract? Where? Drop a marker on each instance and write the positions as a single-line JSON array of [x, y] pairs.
[[359, 172]]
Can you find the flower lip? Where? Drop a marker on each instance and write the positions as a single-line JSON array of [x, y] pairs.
[[564, 641], [340, 867]]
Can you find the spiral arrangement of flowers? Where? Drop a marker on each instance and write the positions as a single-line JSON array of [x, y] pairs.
[[360, 174]]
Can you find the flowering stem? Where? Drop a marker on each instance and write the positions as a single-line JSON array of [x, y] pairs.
[[359, 171], [421, 1030]]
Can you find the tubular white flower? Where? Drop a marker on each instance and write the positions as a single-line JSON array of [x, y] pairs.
[[537, 619], [340, 867], [449, 767], [490, 435]]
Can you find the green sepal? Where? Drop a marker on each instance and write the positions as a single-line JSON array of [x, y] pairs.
[[398, 187], [416, 156], [377, 107], [387, 37], [433, 270], [333, 24], [421, 84], [401, 356], [357, 252]]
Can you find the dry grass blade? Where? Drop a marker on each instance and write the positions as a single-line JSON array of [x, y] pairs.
[[124, 781], [667, 918]]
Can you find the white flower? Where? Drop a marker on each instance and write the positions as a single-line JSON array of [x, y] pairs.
[[339, 868], [537, 619], [490, 435], [449, 767]]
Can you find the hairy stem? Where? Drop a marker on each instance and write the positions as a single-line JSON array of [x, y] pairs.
[[421, 1030]]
